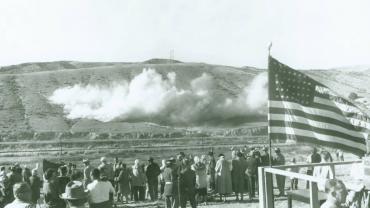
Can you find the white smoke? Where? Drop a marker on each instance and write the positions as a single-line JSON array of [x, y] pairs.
[[257, 92], [151, 97]]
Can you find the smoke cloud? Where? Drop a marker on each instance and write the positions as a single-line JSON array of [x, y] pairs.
[[152, 97]]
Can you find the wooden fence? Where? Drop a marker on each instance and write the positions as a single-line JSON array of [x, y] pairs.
[[265, 181]]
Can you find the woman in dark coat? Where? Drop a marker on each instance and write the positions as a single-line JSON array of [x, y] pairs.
[[26, 174], [238, 175], [123, 183], [36, 184]]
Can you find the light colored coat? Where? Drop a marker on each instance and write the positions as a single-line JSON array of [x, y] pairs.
[[223, 177]]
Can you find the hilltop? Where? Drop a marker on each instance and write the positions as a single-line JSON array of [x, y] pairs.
[[26, 113]]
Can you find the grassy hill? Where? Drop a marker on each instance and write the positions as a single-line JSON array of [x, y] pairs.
[[32, 128], [26, 113]]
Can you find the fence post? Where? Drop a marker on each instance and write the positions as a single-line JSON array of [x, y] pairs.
[[314, 196], [269, 190], [332, 167], [261, 187]]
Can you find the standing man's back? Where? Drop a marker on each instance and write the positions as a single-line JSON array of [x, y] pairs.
[[99, 191], [152, 173]]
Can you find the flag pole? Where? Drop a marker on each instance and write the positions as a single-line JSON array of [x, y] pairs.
[[268, 104]]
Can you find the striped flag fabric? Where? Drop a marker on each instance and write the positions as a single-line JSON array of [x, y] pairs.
[[305, 110]]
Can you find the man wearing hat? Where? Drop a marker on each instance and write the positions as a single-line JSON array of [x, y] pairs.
[[187, 181], [280, 180], [152, 173], [106, 169], [170, 178], [265, 157], [75, 195], [87, 171]]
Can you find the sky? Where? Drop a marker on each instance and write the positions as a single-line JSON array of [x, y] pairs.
[[305, 34]]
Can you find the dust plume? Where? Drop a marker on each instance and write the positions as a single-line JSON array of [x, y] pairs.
[[151, 97]]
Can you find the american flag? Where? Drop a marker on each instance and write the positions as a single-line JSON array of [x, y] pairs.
[[305, 110]]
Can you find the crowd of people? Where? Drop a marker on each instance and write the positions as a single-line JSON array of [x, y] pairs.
[[177, 180]]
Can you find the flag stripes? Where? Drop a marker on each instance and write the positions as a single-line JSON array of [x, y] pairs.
[[307, 111], [317, 141], [316, 124]]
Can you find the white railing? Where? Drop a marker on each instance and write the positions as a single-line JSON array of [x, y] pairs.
[[265, 181]]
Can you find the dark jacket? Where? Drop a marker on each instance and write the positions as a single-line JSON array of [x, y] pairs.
[[211, 167], [36, 184], [62, 183], [52, 200], [187, 181], [152, 171]]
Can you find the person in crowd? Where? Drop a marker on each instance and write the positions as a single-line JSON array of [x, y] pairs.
[[116, 171], [187, 181], [211, 165], [239, 166], [336, 194], [99, 191], [293, 181], [35, 185], [223, 177], [143, 191], [265, 157], [74, 169], [26, 174], [122, 180], [2, 195], [152, 173], [163, 166], [106, 169], [75, 195], [257, 155], [179, 159], [191, 158], [3, 186], [138, 181], [77, 176], [22, 195], [280, 180], [15, 176], [325, 172], [116, 165], [314, 157], [233, 152], [251, 167], [69, 167], [2, 173], [340, 155], [87, 172], [63, 179], [170, 187], [50, 190], [199, 167]]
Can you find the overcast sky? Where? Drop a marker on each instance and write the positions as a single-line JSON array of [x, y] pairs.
[[305, 33]]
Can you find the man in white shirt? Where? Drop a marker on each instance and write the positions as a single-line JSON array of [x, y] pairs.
[[336, 194], [22, 195], [99, 191]]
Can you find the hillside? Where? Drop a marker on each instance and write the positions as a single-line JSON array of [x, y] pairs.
[[27, 113]]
